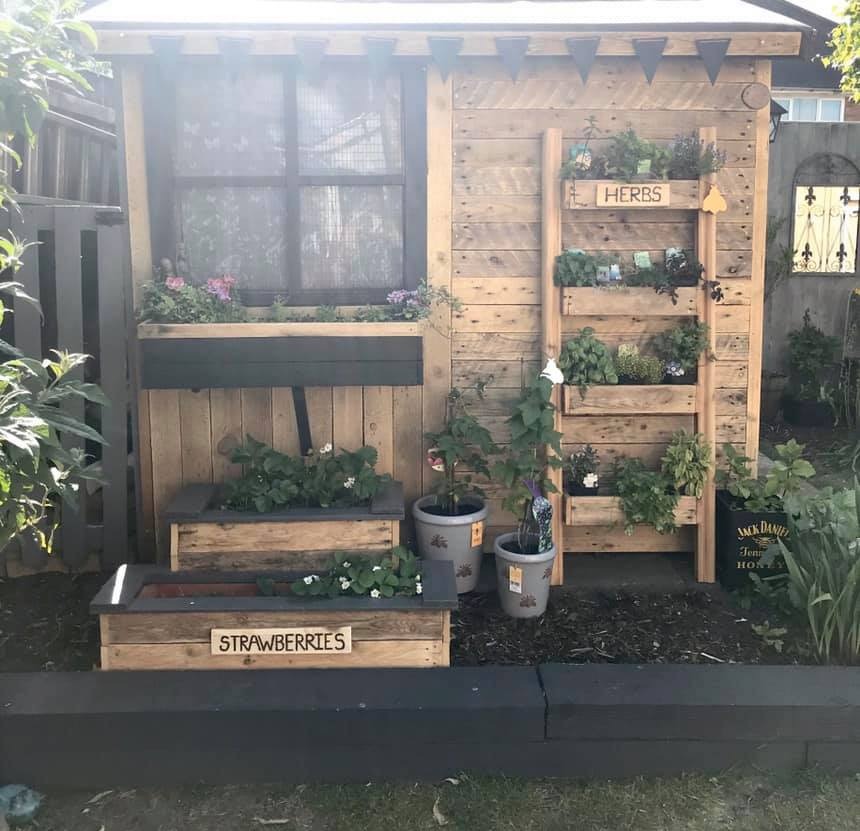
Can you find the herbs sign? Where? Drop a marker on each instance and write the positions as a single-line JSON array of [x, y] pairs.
[[645, 195], [308, 640]]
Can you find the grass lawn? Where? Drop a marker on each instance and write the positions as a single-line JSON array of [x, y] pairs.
[[742, 801]]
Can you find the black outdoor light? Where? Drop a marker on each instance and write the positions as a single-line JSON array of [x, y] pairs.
[[777, 111]]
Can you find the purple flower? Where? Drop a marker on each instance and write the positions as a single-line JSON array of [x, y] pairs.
[[221, 286]]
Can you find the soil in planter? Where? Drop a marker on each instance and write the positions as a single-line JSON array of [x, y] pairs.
[[462, 510], [697, 627]]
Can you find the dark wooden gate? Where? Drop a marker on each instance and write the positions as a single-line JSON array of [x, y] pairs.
[[77, 267]]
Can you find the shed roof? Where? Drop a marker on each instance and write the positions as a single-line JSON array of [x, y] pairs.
[[675, 15]]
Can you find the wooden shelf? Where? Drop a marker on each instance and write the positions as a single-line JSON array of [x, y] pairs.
[[604, 301], [263, 329], [606, 510], [630, 399], [590, 194]]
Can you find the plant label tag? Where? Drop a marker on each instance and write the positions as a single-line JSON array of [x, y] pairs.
[[642, 260], [477, 533], [515, 579]]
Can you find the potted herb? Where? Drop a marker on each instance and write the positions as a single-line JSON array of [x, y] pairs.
[[686, 462], [647, 497], [524, 557], [585, 360], [574, 267], [582, 478], [630, 157], [450, 523], [811, 357], [682, 271], [681, 347], [750, 511], [692, 158], [632, 367]]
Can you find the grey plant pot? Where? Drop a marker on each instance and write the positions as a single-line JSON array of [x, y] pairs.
[[536, 575], [450, 538]]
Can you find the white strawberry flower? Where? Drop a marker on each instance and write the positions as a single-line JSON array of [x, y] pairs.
[[348, 484], [346, 564], [326, 448], [419, 589], [376, 568], [345, 584], [375, 593], [590, 480], [308, 580]]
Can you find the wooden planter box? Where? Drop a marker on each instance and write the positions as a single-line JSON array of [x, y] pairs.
[[632, 302], [606, 510], [204, 537], [631, 399], [151, 618], [233, 355], [612, 194]]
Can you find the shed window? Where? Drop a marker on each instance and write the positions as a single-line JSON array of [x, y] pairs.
[[311, 191]]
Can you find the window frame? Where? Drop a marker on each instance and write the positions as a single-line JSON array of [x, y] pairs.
[[161, 134], [789, 98]]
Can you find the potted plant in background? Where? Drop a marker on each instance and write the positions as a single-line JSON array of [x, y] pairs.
[[582, 478], [811, 362], [751, 511], [449, 523], [632, 367], [524, 557]]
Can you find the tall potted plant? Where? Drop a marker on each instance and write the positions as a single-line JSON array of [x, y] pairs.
[[524, 558], [812, 364], [449, 523]]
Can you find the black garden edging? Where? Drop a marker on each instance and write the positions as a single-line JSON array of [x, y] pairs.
[[296, 361], [137, 728]]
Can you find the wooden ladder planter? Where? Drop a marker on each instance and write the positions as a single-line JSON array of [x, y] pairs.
[[631, 301], [202, 536], [154, 619]]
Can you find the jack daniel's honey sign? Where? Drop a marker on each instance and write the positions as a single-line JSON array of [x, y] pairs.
[[754, 539]]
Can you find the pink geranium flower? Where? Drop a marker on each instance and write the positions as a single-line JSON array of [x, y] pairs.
[[221, 286], [174, 283]]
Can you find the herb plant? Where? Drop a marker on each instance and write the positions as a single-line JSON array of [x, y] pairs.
[[632, 367], [581, 162], [321, 479], [396, 574], [582, 467], [784, 479], [683, 344], [691, 158], [576, 268], [686, 463], [462, 442], [630, 156], [810, 353], [647, 496], [585, 360]]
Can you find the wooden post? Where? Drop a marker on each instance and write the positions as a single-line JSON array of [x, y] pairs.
[[705, 393], [551, 310]]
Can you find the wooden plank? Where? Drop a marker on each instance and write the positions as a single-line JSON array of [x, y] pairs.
[[408, 440], [623, 301], [503, 346], [731, 375], [730, 402], [320, 415], [486, 264], [631, 399], [628, 233], [379, 425], [366, 534], [285, 431], [27, 320], [615, 429], [475, 318], [347, 417], [506, 180], [196, 430], [497, 236], [257, 414], [390, 653], [226, 424], [510, 291], [270, 559], [173, 548], [194, 627], [437, 340], [606, 510], [651, 124], [501, 375], [166, 457], [469, 208], [303, 329], [585, 539], [756, 323], [728, 319]]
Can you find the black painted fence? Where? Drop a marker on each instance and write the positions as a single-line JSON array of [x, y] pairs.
[[135, 728]]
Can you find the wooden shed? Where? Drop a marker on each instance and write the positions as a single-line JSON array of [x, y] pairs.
[[329, 152]]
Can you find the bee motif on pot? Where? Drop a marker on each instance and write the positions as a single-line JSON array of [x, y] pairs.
[[528, 600], [548, 573], [438, 541], [465, 570]]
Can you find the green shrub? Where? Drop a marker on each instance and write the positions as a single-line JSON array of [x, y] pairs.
[[647, 496], [811, 353], [632, 367], [585, 360]]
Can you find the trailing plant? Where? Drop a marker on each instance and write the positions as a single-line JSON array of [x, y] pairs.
[[321, 479], [647, 496], [585, 360], [463, 442], [822, 555], [522, 470], [582, 467], [810, 353], [683, 344], [419, 303], [632, 367], [629, 156], [686, 462], [171, 299], [396, 574], [784, 479], [692, 158], [779, 258], [574, 267]]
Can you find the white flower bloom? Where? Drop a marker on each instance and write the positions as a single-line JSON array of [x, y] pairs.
[[346, 564], [345, 584], [419, 589], [308, 580], [315, 578], [349, 482], [552, 372], [326, 448], [376, 568], [375, 593], [417, 578], [589, 480]]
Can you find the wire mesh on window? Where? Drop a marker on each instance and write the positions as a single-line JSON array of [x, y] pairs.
[[236, 231], [349, 124], [825, 229], [230, 124], [352, 237]]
